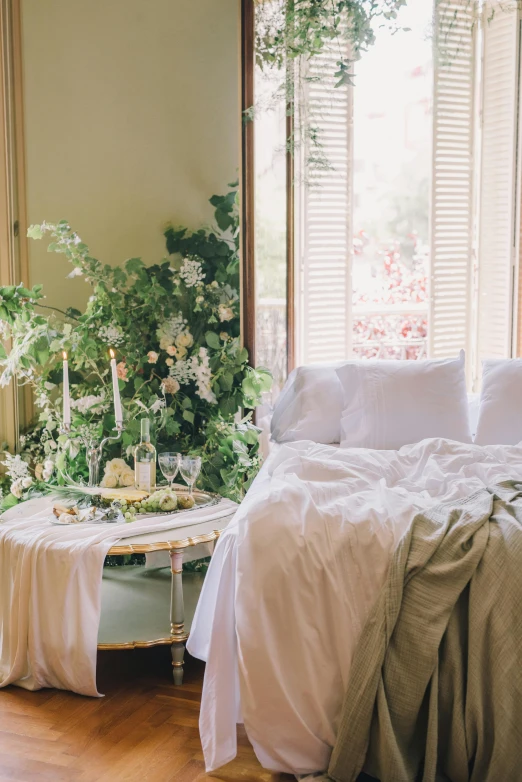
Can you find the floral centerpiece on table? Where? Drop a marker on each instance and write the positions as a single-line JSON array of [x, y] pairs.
[[175, 329]]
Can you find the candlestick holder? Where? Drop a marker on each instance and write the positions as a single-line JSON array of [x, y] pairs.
[[93, 449]]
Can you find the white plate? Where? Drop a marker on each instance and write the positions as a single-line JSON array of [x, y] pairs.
[[98, 518]]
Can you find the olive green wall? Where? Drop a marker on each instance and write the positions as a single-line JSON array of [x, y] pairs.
[[131, 120]]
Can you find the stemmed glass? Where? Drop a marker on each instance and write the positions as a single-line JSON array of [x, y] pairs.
[[169, 464], [189, 468]]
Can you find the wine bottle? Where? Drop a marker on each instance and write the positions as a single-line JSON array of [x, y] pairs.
[[145, 460]]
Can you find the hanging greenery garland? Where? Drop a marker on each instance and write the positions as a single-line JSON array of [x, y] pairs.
[[295, 29]]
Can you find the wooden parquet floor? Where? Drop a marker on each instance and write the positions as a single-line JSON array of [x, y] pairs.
[[143, 729]]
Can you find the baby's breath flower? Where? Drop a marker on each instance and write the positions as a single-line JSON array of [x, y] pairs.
[[191, 272]]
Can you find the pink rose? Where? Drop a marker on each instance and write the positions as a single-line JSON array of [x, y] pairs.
[[121, 371]]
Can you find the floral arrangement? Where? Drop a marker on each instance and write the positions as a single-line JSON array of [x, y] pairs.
[[117, 475], [175, 329]]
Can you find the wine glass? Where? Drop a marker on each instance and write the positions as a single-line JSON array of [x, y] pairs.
[[169, 464], [189, 468]]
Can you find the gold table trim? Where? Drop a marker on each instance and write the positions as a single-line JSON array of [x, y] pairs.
[[167, 545], [144, 644]]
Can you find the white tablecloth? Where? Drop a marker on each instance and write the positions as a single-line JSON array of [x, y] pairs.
[[50, 592]]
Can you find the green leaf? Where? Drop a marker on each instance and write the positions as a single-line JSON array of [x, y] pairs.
[[35, 232], [134, 265], [188, 416], [9, 501], [224, 220], [213, 341]]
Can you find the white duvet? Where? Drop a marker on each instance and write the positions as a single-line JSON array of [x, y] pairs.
[[294, 577]]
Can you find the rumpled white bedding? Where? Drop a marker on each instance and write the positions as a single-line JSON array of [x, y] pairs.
[[50, 592], [293, 578]]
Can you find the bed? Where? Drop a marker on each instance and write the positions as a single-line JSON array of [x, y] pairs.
[[295, 575]]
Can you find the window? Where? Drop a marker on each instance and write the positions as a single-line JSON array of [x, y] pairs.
[[407, 245]]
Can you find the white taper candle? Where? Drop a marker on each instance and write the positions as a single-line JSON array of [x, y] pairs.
[[66, 395], [118, 414]]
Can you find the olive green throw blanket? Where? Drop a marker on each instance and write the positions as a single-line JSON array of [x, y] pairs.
[[435, 689]]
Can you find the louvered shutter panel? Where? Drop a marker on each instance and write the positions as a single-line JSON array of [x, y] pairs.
[[452, 178], [498, 181], [323, 231]]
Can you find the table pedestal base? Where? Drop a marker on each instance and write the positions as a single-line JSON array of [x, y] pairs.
[[138, 602]]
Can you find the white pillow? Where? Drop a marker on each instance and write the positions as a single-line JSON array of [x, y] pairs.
[[310, 405], [388, 404], [500, 413]]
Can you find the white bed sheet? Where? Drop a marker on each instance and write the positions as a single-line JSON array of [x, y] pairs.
[[294, 577]]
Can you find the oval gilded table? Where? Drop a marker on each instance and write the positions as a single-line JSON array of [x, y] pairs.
[[151, 606]]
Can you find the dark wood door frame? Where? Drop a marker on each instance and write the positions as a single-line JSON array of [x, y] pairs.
[[248, 277]]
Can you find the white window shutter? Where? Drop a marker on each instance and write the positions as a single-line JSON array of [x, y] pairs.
[[323, 228], [498, 181], [449, 328]]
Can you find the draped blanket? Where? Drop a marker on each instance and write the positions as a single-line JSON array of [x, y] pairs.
[[435, 691]]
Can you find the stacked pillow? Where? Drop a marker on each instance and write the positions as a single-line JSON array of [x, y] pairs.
[[387, 404], [500, 412]]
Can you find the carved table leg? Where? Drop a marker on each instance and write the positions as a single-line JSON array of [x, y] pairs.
[[177, 616]]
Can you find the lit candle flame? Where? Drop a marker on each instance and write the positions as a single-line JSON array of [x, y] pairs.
[[111, 352], [64, 355]]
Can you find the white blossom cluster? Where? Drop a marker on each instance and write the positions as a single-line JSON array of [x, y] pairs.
[[111, 335], [191, 272], [183, 370], [90, 403], [195, 369], [203, 378], [18, 470]]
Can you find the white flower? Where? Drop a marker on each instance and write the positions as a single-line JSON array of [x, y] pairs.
[[182, 352], [127, 479], [157, 405], [89, 403], [215, 284], [38, 471], [16, 467], [169, 330], [191, 272], [203, 378], [111, 335], [109, 481], [48, 465], [184, 340], [26, 482], [200, 299], [76, 272], [17, 488], [116, 467], [225, 313], [183, 371], [41, 401], [169, 362], [152, 356], [196, 369]]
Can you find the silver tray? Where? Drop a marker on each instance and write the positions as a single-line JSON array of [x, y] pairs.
[[203, 499]]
